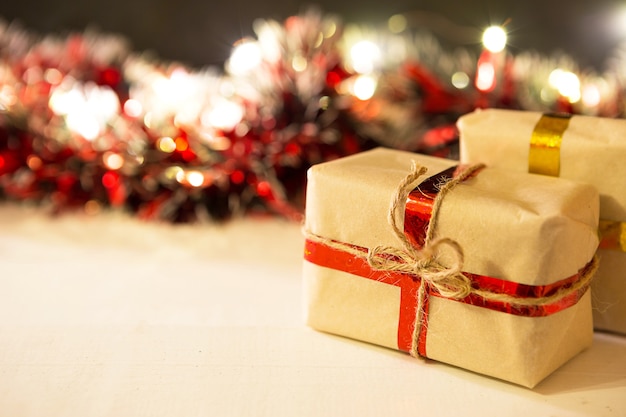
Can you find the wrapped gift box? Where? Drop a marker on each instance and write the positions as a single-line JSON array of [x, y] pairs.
[[525, 237], [581, 148]]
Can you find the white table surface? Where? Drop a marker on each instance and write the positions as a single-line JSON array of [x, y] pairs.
[[110, 316]]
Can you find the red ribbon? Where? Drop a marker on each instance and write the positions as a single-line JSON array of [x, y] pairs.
[[322, 255]]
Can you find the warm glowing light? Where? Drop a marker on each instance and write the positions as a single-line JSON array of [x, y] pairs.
[[84, 124], [591, 96], [166, 144], [566, 83], [245, 57], [319, 40], [174, 173], [494, 39], [87, 108], [397, 23], [92, 207], [299, 63], [181, 144], [547, 95], [53, 76], [33, 162], [180, 175], [64, 102], [178, 95], [102, 102], [227, 88], [364, 87], [7, 97], [32, 75], [555, 77], [133, 108], [330, 28], [218, 143], [364, 55], [324, 102], [113, 160], [176, 89], [460, 80], [224, 114], [195, 178], [485, 77]]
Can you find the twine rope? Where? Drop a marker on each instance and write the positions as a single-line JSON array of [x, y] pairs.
[[449, 282]]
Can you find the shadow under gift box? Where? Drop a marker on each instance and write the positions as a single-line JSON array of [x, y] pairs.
[[520, 231], [583, 148]]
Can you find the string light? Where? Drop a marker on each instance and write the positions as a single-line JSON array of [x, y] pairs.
[[591, 96], [364, 87], [485, 76], [397, 23], [245, 57], [195, 178], [460, 80], [113, 160], [224, 114], [364, 56], [494, 39], [86, 107], [566, 83], [166, 144], [133, 108]]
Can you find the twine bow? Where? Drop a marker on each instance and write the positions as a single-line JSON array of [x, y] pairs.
[[448, 281]]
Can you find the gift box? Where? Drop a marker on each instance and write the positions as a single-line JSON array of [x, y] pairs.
[[484, 269], [582, 148]]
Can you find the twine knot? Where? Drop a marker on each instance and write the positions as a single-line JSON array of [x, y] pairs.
[[448, 281]]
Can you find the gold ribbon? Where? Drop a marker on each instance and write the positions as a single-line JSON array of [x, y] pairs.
[[545, 158], [545, 144]]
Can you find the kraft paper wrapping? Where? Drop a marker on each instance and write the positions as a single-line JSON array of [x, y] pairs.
[[524, 228], [593, 150]]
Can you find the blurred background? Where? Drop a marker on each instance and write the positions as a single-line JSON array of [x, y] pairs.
[[192, 121], [201, 33]]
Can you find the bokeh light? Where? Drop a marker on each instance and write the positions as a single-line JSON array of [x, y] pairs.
[[460, 80], [245, 57], [397, 23], [566, 83], [485, 76], [364, 87], [494, 39], [364, 56], [224, 114]]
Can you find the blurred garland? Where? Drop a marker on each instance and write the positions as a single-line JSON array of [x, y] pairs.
[[86, 123]]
